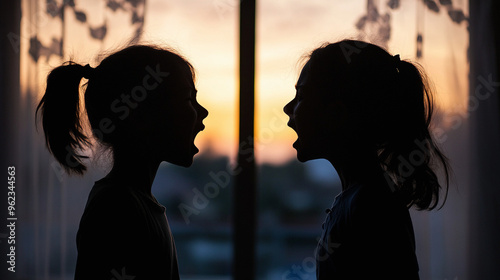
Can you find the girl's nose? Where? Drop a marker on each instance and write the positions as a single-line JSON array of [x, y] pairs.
[[204, 112], [286, 109]]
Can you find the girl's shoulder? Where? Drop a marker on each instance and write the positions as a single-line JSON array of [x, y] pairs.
[[110, 201], [374, 200], [109, 193], [115, 198]]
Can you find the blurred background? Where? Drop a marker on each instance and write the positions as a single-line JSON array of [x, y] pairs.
[[292, 197]]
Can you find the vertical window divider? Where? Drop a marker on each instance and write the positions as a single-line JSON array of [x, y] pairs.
[[244, 194]]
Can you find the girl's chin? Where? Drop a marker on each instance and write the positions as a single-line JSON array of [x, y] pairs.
[[188, 161], [302, 158], [300, 153], [195, 149], [184, 159], [184, 162], [303, 155], [306, 153]]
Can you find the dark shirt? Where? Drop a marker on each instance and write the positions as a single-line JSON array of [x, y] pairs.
[[124, 234], [367, 234]]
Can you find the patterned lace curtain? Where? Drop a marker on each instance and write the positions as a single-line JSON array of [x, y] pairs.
[[435, 34], [53, 32]]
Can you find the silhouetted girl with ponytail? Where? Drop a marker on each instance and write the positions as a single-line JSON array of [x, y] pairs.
[[368, 113], [141, 104]]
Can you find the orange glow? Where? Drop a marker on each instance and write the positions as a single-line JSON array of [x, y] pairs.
[[206, 32]]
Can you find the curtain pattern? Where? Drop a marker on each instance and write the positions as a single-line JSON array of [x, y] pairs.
[[440, 34], [51, 202]]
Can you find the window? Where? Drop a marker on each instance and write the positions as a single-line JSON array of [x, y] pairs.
[[291, 196]]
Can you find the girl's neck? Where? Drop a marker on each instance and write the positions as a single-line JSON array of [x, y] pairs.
[[358, 168], [137, 171]]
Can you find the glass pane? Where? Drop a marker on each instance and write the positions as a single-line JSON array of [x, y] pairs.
[[294, 196], [197, 198]]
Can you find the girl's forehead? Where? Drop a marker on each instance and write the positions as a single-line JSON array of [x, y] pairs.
[[181, 92], [185, 79], [304, 76]]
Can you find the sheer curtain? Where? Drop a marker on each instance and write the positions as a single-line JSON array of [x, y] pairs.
[[441, 44], [484, 247], [49, 201], [9, 91], [431, 33], [435, 34]]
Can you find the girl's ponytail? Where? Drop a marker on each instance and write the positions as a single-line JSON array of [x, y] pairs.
[[60, 112], [413, 155]]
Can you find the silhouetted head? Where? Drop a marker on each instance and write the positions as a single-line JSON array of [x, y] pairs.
[[355, 99], [140, 102]]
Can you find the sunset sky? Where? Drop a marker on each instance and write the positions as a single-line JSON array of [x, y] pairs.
[[206, 32]]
